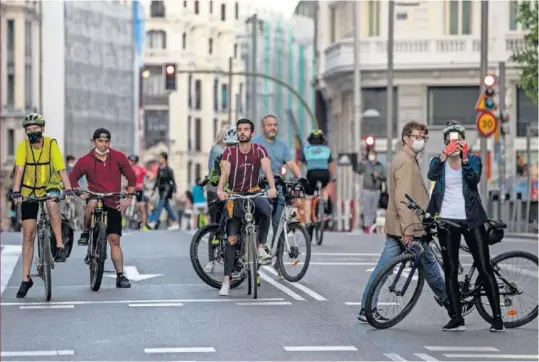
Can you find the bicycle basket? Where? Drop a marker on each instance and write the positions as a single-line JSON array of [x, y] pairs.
[[295, 191], [495, 231]]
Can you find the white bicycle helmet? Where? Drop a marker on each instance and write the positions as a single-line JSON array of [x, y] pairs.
[[231, 137]]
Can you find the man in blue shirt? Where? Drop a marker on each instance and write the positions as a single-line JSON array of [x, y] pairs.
[[280, 155]]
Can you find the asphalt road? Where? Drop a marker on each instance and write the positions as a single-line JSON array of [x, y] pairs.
[[169, 314]]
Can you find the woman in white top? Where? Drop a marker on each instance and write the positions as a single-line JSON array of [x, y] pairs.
[[456, 197]]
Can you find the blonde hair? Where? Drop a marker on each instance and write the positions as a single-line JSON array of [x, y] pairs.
[[220, 138]]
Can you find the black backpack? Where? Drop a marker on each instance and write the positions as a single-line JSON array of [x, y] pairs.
[[68, 235]]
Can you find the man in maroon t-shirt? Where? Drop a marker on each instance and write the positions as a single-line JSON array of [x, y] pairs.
[[103, 168], [240, 168]]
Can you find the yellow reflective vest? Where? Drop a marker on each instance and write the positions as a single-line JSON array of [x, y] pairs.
[[39, 175]]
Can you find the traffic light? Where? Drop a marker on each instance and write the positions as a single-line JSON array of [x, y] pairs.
[[369, 143], [489, 92], [170, 77]]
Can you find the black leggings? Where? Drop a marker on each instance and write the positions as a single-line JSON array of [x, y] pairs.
[[478, 245]]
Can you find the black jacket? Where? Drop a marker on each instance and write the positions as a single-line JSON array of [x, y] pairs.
[[165, 183]]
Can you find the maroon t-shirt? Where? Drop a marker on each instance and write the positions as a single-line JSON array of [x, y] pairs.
[[244, 167]]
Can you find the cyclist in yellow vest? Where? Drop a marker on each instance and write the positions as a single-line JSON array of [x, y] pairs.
[[40, 170]]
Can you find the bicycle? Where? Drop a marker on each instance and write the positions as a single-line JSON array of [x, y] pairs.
[[97, 241], [132, 216], [408, 265], [45, 258], [318, 214]]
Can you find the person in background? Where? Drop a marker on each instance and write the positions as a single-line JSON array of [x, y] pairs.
[[455, 197], [165, 184], [140, 172], [374, 175], [200, 204], [187, 216], [70, 163]]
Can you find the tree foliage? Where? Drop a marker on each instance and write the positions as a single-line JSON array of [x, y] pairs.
[[526, 54]]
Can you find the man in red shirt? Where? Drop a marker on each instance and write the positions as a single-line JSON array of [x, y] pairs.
[[103, 168], [140, 173], [240, 168]]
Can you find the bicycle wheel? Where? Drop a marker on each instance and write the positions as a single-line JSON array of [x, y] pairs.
[[401, 267], [252, 262], [293, 252], [98, 255], [512, 295], [45, 255], [320, 221], [209, 231]]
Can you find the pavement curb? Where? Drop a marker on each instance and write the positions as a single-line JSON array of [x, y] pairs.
[[527, 236]]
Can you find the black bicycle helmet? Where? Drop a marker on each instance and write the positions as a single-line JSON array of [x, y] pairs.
[[317, 135], [133, 158]]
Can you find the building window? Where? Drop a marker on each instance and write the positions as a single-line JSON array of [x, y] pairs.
[[196, 7], [189, 172], [527, 113], [223, 12], [332, 23], [216, 94], [224, 97], [447, 103], [157, 39], [189, 91], [198, 134], [10, 90], [184, 41], [184, 3], [235, 51], [210, 46], [211, 7], [198, 171], [10, 41], [198, 94], [28, 86], [157, 9], [215, 130], [10, 142], [374, 18], [236, 10], [28, 41], [189, 131], [459, 17], [154, 84]]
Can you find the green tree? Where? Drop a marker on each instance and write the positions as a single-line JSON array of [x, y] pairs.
[[526, 54]]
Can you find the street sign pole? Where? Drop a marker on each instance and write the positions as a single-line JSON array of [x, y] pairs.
[[483, 186]]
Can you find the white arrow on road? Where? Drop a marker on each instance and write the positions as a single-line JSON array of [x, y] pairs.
[[131, 272]]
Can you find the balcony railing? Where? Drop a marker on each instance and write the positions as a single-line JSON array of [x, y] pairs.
[[417, 53]]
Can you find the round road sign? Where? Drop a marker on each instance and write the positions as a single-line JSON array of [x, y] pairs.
[[486, 123]]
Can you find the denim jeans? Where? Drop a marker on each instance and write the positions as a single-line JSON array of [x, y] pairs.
[[161, 204], [278, 208], [392, 249]]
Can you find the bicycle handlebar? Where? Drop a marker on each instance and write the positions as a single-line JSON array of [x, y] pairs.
[[100, 194], [44, 198], [247, 197], [412, 205]]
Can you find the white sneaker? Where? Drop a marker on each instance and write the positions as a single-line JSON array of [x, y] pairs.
[[225, 289], [152, 224], [174, 227], [263, 255], [209, 267]]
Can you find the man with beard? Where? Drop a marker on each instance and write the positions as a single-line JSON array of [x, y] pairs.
[[240, 167]]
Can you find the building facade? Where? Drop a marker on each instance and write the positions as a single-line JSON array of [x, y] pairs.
[[285, 51], [197, 36], [436, 78], [19, 79]]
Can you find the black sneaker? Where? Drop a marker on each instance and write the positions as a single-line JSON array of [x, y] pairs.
[[455, 324], [363, 319], [60, 255], [122, 282], [497, 325], [83, 240], [24, 288]]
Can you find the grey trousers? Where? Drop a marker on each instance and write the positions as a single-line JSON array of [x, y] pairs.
[[369, 202]]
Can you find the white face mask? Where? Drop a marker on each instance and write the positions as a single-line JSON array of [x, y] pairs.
[[101, 153], [372, 158], [418, 146]]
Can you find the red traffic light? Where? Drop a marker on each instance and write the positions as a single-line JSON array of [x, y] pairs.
[[369, 140], [170, 69]]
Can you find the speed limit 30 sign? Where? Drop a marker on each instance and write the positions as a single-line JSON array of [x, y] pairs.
[[486, 123]]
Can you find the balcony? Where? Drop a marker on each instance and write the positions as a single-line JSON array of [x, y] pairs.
[[434, 53]]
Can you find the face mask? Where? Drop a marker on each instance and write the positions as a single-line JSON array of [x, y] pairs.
[[372, 158], [418, 146], [34, 137], [101, 153], [71, 165]]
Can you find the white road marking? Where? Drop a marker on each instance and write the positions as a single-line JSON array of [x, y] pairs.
[[264, 303], [180, 350], [425, 357], [222, 300], [8, 259], [301, 287], [495, 356], [38, 353], [379, 303], [63, 306], [320, 348], [461, 349], [394, 357], [131, 272], [341, 263], [345, 254], [280, 286], [136, 305]]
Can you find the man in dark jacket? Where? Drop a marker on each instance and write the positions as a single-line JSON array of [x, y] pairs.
[[165, 185]]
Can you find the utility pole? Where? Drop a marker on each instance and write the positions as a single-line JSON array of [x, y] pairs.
[[389, 91], [483, 186], [357, 106], [501, 105], [253, 20], [229, 93]]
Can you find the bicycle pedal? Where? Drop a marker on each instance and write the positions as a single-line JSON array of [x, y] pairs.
[[109, 271], [35, 276]]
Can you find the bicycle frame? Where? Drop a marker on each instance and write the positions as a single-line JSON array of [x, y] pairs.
[[43, 223]]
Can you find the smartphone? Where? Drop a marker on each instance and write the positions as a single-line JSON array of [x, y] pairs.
[[453, 136]]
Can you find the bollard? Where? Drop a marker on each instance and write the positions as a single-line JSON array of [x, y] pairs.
[[494, 205], [518, 205]]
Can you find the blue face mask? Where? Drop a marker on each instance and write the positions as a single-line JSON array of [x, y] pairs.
[[34, 137]]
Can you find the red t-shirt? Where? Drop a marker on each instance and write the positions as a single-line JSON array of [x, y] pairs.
[[244, 167], [140, 172]]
